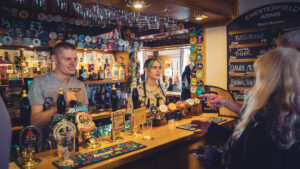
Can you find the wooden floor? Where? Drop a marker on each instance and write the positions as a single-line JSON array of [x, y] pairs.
[[169, 150]]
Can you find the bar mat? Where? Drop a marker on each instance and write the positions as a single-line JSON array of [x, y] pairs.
[[216, 119], [82, 160], [190, 127]]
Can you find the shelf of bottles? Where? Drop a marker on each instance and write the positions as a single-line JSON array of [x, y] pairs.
[[91, 66], [20, 64], [100, 68], [105, 78]]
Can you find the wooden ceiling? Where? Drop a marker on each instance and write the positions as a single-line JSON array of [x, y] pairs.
[[219, 12]]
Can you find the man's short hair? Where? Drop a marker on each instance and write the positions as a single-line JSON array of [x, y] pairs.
[[63, 45], [292, 37]]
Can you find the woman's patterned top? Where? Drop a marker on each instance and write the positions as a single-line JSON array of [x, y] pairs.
[[149, 95]]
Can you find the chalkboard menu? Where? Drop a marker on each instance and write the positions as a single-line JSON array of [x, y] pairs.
[[241, 67], [246, 51], [251, 35], [241, 81]]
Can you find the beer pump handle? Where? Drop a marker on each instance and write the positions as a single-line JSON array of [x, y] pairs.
[[50, 144], [18, 151]]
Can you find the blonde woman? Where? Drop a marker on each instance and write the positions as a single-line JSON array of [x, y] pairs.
[[268, 134]]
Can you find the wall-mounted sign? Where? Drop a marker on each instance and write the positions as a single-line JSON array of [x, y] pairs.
[[251, 35]]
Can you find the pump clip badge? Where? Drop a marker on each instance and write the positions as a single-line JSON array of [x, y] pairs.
[[153, 110], [193, 89], [193, 57], [64, 128], [30, 137], [84, 122]]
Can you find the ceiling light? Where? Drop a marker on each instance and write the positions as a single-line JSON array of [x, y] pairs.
[[137, 4], [200, 17]]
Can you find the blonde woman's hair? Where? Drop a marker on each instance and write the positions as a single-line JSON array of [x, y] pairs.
[[277, 92]]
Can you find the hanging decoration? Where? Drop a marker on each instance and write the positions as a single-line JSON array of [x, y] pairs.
[[197, 60]]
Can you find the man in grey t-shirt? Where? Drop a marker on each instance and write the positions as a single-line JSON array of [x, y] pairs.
[[5, 139], [44, 90]]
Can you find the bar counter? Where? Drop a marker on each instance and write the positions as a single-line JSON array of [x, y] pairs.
[[169, 149]]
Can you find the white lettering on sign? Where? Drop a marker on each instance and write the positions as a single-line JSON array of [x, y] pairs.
[[237, 68], [242, 52], [249, 36], [271, 9], [239, 96], [270, 15], [242, 82], [250, 68], [270, 23], [237, 82]]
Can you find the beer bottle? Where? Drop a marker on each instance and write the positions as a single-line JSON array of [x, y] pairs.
[[82, 74], [114, 99], [135, 97], [25, 109], [61, 103], [102, 99], [106, 100]]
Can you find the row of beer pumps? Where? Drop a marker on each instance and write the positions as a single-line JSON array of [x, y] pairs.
[[78, 124], [68, 126]]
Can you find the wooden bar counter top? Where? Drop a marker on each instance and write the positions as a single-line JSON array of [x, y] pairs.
[[169, 149]]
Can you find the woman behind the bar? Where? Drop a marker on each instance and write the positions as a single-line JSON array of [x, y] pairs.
[[268, 134], [150, 91]]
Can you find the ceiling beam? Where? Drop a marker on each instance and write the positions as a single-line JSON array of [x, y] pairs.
[[111, 3], [218, 7], [216, 23]]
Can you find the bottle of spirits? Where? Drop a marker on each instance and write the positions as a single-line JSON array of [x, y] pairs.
[[115, 72], [82, 74], [121, 72], [1, 59], [16, 60], [61, 103], [95, 75], [22, 59], [119, 94], [39, 69], [107, 71], [8, 64], [25, 109], [102, 99], [101, 73], [97, 98], [91, 70], [106, 101], [114, 99]]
